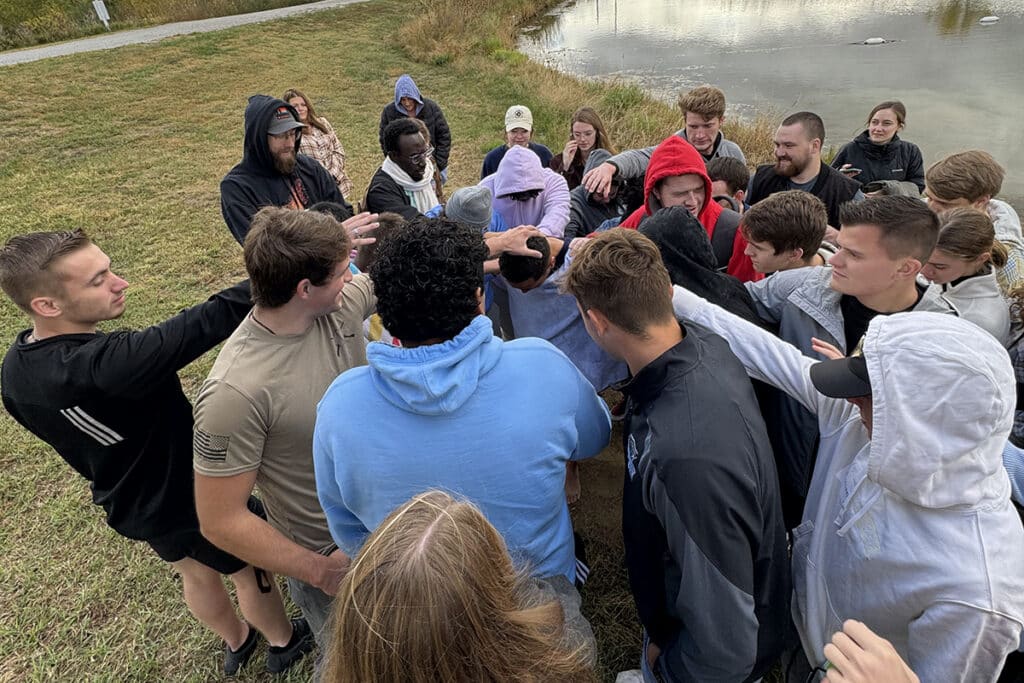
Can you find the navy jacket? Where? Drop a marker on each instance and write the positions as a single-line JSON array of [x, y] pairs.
[[895, 160]]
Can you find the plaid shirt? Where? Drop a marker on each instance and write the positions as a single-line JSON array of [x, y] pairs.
[[327, 149]]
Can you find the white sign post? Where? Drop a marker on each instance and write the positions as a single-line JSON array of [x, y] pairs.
[[101, 12]]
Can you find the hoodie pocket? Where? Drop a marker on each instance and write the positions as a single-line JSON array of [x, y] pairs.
[[803, 568]]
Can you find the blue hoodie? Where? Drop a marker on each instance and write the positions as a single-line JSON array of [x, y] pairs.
[[406, 87], [491, 421]]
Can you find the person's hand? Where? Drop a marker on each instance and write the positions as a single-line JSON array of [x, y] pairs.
[[599, 179], [831, 234], [577, 244], [653, 652], [568, 153], [514, 241], [858, 655], [849, 171], [358, 226], [332, 570], [824, 348]]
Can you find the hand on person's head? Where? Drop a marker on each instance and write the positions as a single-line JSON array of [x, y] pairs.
[[599, 179], [359, 226], [514, 241], [858, 655], [577, 244]]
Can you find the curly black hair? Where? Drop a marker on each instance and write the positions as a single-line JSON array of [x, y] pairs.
[[395, 130], [426, 278]]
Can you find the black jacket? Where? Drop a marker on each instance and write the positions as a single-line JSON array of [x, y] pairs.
[[384, 194], [895, 160], [831, 187], [585, 215], [255, 183], [112, 406], [433, 117], [702, 523]]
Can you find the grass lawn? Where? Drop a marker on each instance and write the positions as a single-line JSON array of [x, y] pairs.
[[131, 144]]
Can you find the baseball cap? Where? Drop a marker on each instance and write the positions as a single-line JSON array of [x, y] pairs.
[[518, 116], [282, 120], [842, 378]]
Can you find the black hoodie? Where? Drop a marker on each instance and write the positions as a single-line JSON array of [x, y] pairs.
[[255, 183]]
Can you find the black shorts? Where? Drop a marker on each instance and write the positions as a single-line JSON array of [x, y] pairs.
[[188, 542]]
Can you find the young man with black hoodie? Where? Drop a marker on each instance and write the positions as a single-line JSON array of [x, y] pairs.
[[702, 522], [111, 405], [272, 172]]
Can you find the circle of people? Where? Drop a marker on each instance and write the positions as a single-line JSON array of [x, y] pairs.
[[819, 369]]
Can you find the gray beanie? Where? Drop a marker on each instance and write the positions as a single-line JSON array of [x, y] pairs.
[[470, 205]]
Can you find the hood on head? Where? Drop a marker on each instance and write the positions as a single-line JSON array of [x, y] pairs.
[[436, 379], [690, 261], [256, 152], [675, 156], [519, 170], [406, 87], [944, 395]]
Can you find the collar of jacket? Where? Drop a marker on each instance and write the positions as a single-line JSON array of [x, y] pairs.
[[653, 377]]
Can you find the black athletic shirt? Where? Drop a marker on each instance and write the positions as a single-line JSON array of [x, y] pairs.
[[112, 406], [857, 316]]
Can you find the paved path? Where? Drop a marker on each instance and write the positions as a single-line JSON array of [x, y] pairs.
[[107, 41]]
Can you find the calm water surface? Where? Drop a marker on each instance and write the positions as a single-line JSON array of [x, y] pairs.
[[962, 81]]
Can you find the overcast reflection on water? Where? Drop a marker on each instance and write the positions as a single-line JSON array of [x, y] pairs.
[[962, 82]]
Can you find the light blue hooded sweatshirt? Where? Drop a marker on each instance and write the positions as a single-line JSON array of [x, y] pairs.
[[406, 87], [490, 421]]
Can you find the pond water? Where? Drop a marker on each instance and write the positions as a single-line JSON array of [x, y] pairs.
[[962, 80]]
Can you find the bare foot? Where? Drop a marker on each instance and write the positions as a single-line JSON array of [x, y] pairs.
[[572, 482]]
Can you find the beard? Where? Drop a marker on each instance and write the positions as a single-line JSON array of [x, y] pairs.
[[788, 168], [284, 163]]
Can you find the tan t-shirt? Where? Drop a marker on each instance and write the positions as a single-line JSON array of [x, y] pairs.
[[257, 410]]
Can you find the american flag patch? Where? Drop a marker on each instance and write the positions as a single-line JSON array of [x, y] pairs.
[[213, 447]]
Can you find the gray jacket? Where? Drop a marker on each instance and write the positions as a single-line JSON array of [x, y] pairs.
[[632, 163], [802, 304]]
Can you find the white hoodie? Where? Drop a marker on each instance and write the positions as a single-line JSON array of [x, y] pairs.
[[910, 530]]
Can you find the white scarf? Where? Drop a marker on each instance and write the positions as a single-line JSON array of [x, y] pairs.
[[420, 192]]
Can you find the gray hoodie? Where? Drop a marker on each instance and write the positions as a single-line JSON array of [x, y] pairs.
[[632, 163]]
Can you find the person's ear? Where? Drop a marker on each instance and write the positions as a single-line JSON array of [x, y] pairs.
[[982, 202], [739, 196], [45, 307], [598, 321], [302, 289], [816, 145], [480, 301], [909, 268], [796, 254]]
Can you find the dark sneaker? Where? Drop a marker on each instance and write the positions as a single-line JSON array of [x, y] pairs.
[[280, 659], [234, 660]]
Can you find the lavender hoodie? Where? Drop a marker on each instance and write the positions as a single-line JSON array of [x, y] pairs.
[[520, 170]]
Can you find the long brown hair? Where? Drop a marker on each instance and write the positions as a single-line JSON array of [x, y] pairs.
[[590, 117], [311, 118], [433, 597]]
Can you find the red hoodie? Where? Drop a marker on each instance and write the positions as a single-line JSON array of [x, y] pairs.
[[673, 157]]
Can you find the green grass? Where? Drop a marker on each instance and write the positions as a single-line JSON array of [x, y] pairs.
[[24, 23], [131, 144]]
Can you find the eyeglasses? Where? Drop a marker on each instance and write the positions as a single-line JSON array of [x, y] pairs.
[[422, 156], [288, 134]]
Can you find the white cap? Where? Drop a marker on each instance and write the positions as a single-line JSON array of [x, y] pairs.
[[518, 116]]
